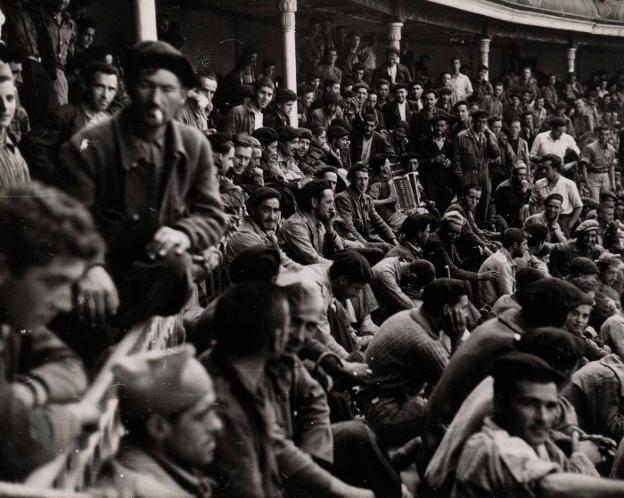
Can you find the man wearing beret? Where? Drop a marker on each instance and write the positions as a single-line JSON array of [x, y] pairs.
[[151, 185], [328, 112], [585, 244], [473, 149], [167, 404]]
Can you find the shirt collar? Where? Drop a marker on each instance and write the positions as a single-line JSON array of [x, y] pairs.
[[127, 138]]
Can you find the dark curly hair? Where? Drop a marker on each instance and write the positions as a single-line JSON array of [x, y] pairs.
[[39, 223]]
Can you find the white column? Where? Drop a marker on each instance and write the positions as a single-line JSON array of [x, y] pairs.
[[484, 50], [288, 9], [571, 59], [394, 34], [145, 19]]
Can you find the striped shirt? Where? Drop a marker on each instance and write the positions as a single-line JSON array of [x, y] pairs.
[[13, 167]]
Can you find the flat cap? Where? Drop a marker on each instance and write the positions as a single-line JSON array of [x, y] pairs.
[[454, 216], [336, 132], [479, 114], [587, 226], [518, 365], [304, 133], [287, 133], [609, 259], [159, 54], [163, 382], [608, 195], [265, 135], [440, 116], [583, 266]]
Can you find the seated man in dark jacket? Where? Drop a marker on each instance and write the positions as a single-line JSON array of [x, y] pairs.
[[41, 146], [358, 214], [47, 242]]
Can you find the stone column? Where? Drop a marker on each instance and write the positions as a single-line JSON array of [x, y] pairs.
[[571, 59], [394, 34], [145, 19], [484, 51], [287, 9]]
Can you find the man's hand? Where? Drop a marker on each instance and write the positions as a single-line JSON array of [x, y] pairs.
[[340, 489], [488, 275], [454, 324], [166, 240], [349, 374], [87, 413], [97, 296]]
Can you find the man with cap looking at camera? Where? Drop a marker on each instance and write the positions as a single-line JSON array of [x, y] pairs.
[[248, 117], [168, 405], [337, 137], [585, 244], [151, 185], [473, 149], [328, 112], [549, 218], [287, 169]]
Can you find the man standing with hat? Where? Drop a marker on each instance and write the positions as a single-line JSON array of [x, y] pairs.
[[585, 244], [473, 149], [151, 185]]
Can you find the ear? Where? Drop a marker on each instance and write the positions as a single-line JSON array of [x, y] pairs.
[[157, 426], [314, 201]]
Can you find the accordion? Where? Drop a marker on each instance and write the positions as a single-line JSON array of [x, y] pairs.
[[408, 191]]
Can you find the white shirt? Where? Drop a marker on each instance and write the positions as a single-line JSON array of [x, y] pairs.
[[566, 188], [401, 107], [366, 150], [258, 120], [392, 70], [461, 86], [544, 144]]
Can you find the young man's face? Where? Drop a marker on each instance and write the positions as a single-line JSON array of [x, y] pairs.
[[307, 99], [289, 147], [609, 275], [539, 102], [158, 96], [578, 318], [208, 87], [324, 206], [270, 152], [400, 95], [496, 127], [532, 411], [518, 250], [384, 91], [440, 128], [361, 94], [453, 231], [86, 37], [358, 74], [264, 95], [191, 437], [287, 107], [333, 56], [369, 128], [242, 157], [482, 74], [606, 214], [256, 157], [8, 102], [372, 99], [498, 90], [520, 174], [446, 80], [589, 239], [604, 136], [557, 132], [360, 181], [552, 209], [332, 178], [102, 91], [462, 113], [393, 59], [429, 101], [417, 91], [549, 172], [479, 124], [34, 298], [472, 198], [456, 65], [268, 214], [526, 73], [304, 146]]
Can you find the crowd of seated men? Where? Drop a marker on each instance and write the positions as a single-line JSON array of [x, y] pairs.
[[471, 345]]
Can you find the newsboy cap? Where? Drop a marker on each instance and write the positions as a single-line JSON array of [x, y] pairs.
[[287, 133], [161, 55], [587, 226], [265, 135]]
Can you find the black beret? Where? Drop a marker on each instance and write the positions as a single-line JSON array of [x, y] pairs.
[[287, 133], [336, 132], [265, 135]]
